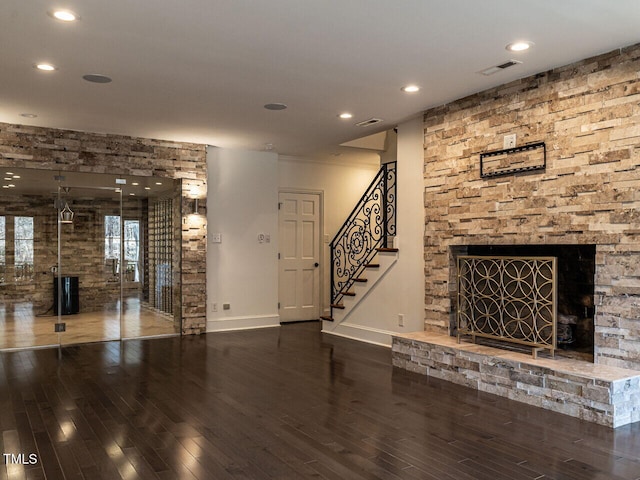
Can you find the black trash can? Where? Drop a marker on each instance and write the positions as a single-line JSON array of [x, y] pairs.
[[70, 301]]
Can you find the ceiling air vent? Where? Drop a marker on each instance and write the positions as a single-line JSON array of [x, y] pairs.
[[498, 68], [366, 123]]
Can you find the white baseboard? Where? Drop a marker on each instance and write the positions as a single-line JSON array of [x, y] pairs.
[[361, 333], [242, 323]]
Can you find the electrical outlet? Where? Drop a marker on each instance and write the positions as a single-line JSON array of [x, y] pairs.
[[226, 306], [401, 319], [510, 141]]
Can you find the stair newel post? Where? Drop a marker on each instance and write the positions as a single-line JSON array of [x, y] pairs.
[[384, 205], [332, 248]]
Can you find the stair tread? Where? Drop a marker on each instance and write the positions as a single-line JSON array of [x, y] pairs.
[[360, 280], [337, 305], [326, 318], [348, 294], [372, 265], [387, 249]]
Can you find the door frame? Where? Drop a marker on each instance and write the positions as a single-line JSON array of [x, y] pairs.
[[320, 193]]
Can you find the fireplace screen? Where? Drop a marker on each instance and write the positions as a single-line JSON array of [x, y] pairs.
[[511, 299]]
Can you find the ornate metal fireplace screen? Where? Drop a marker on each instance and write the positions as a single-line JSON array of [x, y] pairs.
[[512, 299]]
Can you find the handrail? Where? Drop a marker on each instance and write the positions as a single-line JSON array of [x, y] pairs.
[[368, 227]]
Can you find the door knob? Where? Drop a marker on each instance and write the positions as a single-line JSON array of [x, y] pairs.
[[316, 264]]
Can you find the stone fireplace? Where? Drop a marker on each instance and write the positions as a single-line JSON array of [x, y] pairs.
[[586, 197]]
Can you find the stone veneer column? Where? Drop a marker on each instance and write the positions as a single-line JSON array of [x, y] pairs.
[[64, 150]]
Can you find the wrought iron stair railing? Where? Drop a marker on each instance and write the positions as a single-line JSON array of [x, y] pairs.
[[369, 228]]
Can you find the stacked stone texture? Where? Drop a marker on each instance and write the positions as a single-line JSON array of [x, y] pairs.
[[588, 115], [608, 399], [64, 150]]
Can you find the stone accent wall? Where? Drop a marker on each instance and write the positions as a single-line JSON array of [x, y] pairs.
[[63, 150], [588, 115]]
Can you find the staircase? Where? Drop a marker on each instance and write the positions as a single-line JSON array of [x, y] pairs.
[[368, 231]]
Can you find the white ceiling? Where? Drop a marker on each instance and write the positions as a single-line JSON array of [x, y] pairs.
[[201, 70]]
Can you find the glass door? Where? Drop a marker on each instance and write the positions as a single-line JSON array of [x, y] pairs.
[[87, 285], [87, 257], [27, 253]]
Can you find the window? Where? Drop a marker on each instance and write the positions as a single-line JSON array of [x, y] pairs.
[[112, 237], [132, 249], [23, 245], [131, 245]]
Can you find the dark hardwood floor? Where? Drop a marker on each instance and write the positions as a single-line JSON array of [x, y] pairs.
[[285, 403]]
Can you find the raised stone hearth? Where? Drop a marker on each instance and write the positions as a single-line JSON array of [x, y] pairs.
[[601, 394]]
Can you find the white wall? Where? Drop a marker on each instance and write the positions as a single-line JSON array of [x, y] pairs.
[[401, 290], [342, 184], [242, 202]]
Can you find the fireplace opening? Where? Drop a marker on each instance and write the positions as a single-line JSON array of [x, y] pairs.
[[575, 290]]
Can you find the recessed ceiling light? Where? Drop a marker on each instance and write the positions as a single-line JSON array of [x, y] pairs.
[[132, 194], [411, 89], [63, 15], [8, 178], [96, 78], [147, 188], [275, 106], [519, 46], [45, 67], [28, 115], [158, 183], [135, 183], [16, 176], [10, 173], [345, 115]]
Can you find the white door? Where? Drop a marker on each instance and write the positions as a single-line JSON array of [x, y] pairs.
[[299, 270]]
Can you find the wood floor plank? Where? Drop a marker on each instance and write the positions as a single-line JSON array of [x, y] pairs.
[[285, 403]]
